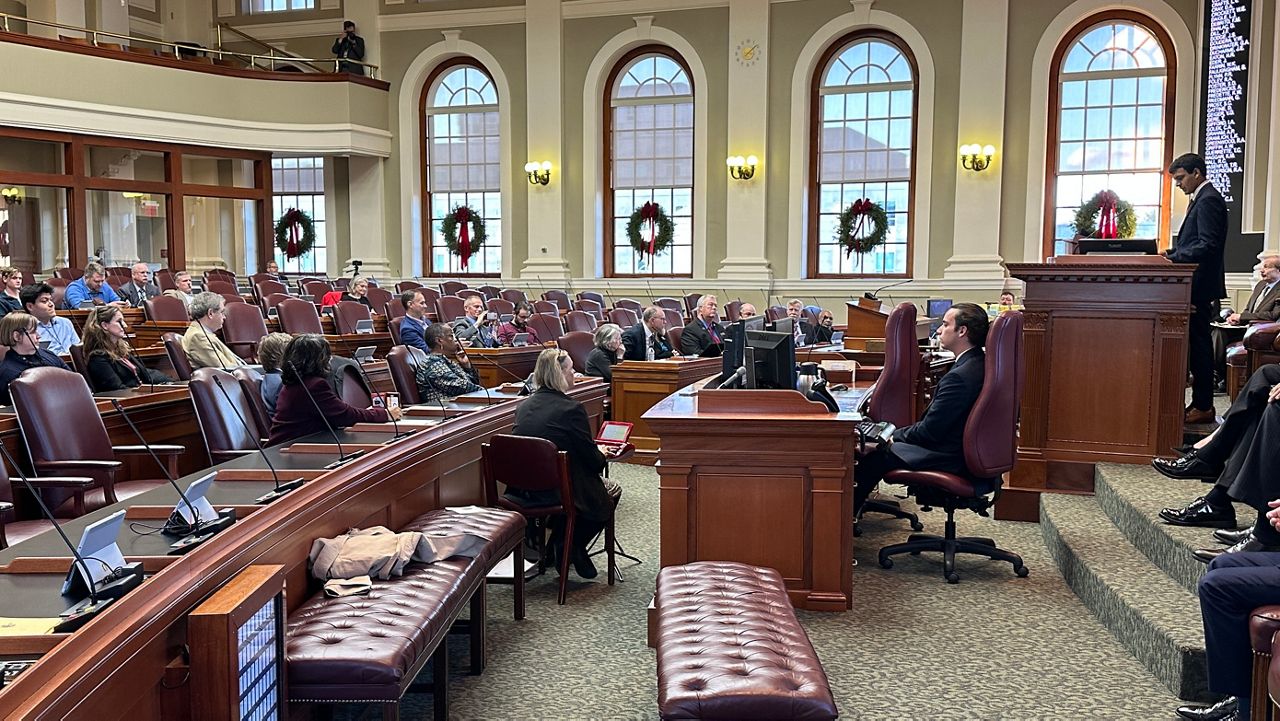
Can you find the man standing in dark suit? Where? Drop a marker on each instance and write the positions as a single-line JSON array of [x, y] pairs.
[[139, 288], [936, 442], [703, 334], [647, 340], [1201, 240]]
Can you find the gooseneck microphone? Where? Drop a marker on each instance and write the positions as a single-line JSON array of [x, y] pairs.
[[343, 457], [876, 294], [281, 488]]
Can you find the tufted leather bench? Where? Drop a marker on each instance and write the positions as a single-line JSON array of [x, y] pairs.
[[730, 647], [369, 649], [1263, 624]]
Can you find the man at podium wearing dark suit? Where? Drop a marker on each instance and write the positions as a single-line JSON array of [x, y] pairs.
[[936, 442], [1263, 305], [1201, 240]]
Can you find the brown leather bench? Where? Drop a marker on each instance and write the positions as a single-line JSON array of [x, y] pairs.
[[1263, 624], [730, 647], [369, 649]]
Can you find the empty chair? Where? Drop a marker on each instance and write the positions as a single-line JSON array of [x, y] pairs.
[[394, 309], [177, 355], [264, 288], [448, 307], [578, 344], [13, 530], [69, 273], [671, 304], [632, 305], [674, 320], [775, 312], [242, 329], [378, 297], [273, 300], [592, 295], [263, 277], [674, 333], [451, 287], [164, 280], [217, 285], [233, 298], [732, 310], [406, 285], [500, 306], [691, 303], [466, 293], [342, 283], [559, 297], [163, 308], [586, 305], [317, 289], [302, 282], [512, 296], [298, 316], [59, 286], [547, 326], [226, 420], [402, 376], [490, 291], [251, 381], [352, 389], [347, 314], [219, 274], [624, 317], [429, 296], [546, 307], [79, 363], [576, 320]]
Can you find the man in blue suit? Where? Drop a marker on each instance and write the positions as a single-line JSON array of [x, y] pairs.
[[414, 326], [936, 442], [1201, 240]]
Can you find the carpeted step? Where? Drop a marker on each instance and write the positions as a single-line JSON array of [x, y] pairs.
[[1133, 495], [1155, 618]]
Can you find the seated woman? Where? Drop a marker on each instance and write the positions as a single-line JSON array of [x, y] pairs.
[[271, 355], [519, 324], [113, 365], [18, 331], [551, 414], [306, 386], [447, 370], [358, 292], [606, 354]]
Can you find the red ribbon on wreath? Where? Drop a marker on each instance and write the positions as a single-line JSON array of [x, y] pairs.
[[649, 214], [1108, 213], [293, 220], [463, 217]]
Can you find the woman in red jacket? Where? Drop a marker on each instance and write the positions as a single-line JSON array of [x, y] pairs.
[[306, 368]]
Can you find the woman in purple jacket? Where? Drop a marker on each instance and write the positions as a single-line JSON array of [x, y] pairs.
[[306, 368]]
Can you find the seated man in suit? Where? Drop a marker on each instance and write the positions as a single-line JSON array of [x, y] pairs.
[[182, 279], [800, 328], [647, 340], [139, 288], [204, 348], [1263, 305], [446, 372], [746, 310], [703, 335], [91, 287], [414, 326], [476, 327], [935, 442], [821, 333], [18, 331], [37, 300]]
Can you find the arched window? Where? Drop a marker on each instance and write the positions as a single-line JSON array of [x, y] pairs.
[[863, 141], [461, 163], [649, 157], [1111, 98]]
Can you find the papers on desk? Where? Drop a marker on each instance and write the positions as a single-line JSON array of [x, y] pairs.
[[27, 626]]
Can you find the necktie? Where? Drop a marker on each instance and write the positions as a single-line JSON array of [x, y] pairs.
[[715, 338]]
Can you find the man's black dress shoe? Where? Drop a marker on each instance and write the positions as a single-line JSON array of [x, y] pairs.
[[1200, 513], [1224, 710], [582, 564], [1250, 545], [1189, 466], [1231, 537]]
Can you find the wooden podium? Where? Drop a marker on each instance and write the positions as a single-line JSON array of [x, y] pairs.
[[1105, 344], [762, 477], [863, 321], [638, 385]]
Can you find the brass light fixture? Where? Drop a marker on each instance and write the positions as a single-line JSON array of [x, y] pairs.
[[976, 157], [539, 173], [741, 168]]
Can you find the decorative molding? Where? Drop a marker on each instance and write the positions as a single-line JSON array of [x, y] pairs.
[[330, 4], [572, 9], [145, 28], [147, 5], [1034, 321], [292, 29], [451, 19]]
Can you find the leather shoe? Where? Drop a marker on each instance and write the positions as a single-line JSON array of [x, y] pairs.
[[1200, 513], [1231, 537], [1187, 467], [1250, 545], [1224, 710], [582, 564], [1197, 416]]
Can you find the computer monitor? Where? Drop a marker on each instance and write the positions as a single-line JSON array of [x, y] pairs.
[[784, 325], [775, 359], [735, 340], [937, 307]]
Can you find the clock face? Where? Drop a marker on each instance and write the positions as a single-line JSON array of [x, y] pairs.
[[748, 53]]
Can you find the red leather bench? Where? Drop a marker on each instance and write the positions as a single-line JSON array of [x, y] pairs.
[[369, 649], [730, 647]]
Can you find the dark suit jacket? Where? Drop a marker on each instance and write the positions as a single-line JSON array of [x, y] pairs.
[[696, 339], [552, 415], [936, 442], [600, 364], [412, 333], [1262, 307], [815, 333], [130, 293], [1202, 240], [633, 342], [107, 374]]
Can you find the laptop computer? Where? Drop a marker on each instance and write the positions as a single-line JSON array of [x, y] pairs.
[[520, 339]]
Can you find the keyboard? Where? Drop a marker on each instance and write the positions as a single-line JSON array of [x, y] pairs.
[[875, 431]]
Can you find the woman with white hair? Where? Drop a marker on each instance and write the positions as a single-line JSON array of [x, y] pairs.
[[551, 414], [606, 354]]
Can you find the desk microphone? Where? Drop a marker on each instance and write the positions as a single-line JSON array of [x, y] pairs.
[[281, 488], [212, 347], [343, 457], [119, 582], [876, 294]]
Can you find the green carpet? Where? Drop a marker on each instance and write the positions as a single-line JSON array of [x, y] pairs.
[[913, 647]]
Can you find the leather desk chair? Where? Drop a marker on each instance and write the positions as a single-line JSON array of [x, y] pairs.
[[732, 310], [164, 280], [500, 306], [341, 284], [674, 333], [394, 309], [990, 449], [163, 308], [317, 289], [69, 274], [450, 287], [586, 305], [257, 278], [225, 435], [47, 400], [221, 274], [578, 320], [449, 307], [560, 298], [354, 392], [546, 307], [302, 282], [217, 285], [13, 530], [624, 318], [407, 285], [177, 356], [79, 363], [548, 327], [59, 286], [243, 329], [671, 304], [691, 303], [467, 293], [393, 327], [674, 319], [578, 344], [632, 305], [593, 296], [774, 312], [512, 296], [234, 298], [490, 291], [251, 381], [379, 297], [429, 296], [298, 316], [264, 288], [402, 377], [892, 400], [534, 464], [273, 300], [346, 314]]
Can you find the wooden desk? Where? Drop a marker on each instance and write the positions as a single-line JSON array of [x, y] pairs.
[[865, 326], [639, 385], [132, 316], [1105, 345], [504, 365], [733, 487], [149, 333]]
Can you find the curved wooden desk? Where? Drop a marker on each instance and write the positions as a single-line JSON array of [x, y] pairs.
[[128, 663]]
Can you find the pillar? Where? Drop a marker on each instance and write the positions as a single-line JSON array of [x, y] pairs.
[[543, 59]]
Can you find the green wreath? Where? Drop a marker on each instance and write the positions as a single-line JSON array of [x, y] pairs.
[[295, 233], [661, 231], [853, 233], [460, 216], [1085, 223]]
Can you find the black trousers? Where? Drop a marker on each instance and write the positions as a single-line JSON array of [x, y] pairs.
[[1200, 356], [1247, 442], [870, 471], [1236, 584]]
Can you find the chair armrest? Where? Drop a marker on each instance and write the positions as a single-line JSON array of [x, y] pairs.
[[44, 466], [77, 483], [161, 449], [1261, 336]]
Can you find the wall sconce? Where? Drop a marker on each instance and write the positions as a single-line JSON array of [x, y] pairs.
[[741, 168], [12, 195], [975, 157], [539, 173], [136, 196]]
